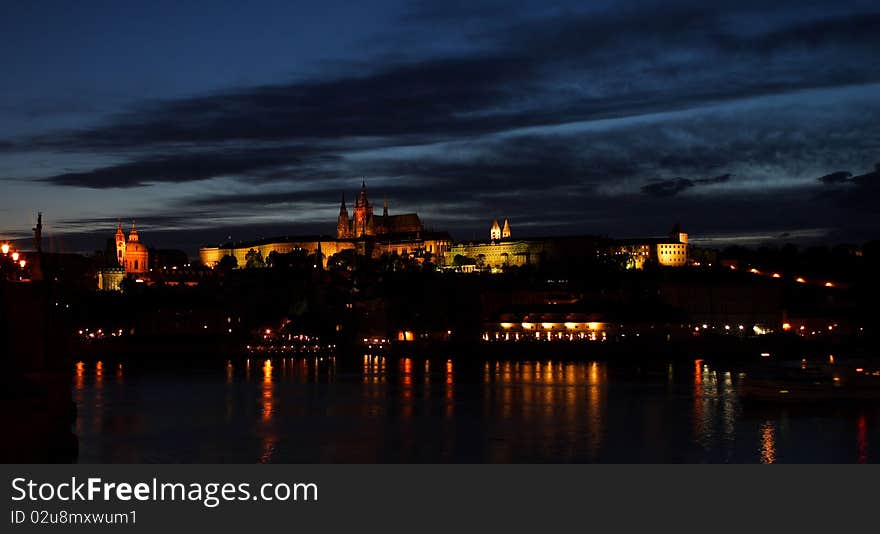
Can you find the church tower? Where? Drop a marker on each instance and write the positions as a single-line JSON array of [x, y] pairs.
[[495, 231], [363, 212], [505, 231], [343, 225], [120, 245]]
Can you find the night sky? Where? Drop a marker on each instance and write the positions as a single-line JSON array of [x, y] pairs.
[[746, 122]]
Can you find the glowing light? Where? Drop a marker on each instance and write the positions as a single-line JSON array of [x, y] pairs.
[[829, 284], [786, 326], [15, 256], [5, 248], [268, 331], [800, 280], [571, 326], [506, 325], [22, 263], [754, 271], [765, 354], [593, 326], [859, 370], [528, 326], [776, 275], [831, 358], [547, 326]]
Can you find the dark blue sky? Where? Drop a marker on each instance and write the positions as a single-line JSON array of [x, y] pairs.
[[744, 121]]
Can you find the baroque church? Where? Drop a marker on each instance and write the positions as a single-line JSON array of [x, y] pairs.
[[132, 258]]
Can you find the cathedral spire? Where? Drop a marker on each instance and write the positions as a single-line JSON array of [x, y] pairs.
[[385, 207], [342, 208], [133, 235]]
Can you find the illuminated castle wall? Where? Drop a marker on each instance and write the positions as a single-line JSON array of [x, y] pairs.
[[364, 232]]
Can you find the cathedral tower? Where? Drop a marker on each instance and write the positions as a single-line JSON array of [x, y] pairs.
[[363, 212], [505, 231], [343, 225]]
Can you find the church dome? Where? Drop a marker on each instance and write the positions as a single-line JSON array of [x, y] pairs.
[[135, 247], [136, 257]]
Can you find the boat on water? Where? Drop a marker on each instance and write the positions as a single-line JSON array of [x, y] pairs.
[[801, 381]]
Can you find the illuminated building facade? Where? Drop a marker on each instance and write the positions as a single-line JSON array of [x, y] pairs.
[[552, 326], [132, 258], [362, 231], [500, 251]]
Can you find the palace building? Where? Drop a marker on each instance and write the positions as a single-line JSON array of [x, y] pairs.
[[362, 231], [501, 250]]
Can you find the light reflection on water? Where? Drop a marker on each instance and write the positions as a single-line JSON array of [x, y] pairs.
[[413, 409]]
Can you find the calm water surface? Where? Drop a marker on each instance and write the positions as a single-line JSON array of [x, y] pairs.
[[437, 410]]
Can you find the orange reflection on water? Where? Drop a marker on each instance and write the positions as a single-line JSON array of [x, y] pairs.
[[406, 379], [99, 375], [268, 449], [768, 443], [79, 380], [98, 420], [449, 391], [374, 370], [862, 438], [268, 390], [594, 408], [79, 395]]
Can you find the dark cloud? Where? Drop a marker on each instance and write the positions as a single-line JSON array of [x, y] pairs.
[[836, 177], [262, 163], [668, 188], [859, 193], [525, 75]]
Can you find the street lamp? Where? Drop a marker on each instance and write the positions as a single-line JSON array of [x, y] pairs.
[[5, 248], [15, 256], [22, 263]]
